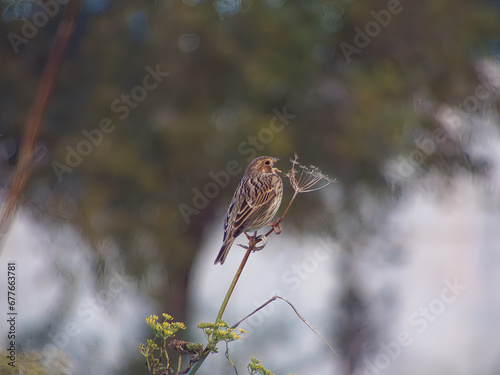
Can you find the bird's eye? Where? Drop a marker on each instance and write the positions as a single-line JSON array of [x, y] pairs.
[[268, 162]]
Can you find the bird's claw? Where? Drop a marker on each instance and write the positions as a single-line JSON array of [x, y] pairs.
[[254, 240], [258, 239]]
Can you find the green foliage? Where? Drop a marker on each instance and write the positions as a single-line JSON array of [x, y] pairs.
[[34, 362], [217, 332], [155, 351], [156, 355], [255, 367], [164, 330]]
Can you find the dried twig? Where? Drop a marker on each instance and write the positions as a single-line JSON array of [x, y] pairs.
[[296, 312], [307, 179], [35, 116]]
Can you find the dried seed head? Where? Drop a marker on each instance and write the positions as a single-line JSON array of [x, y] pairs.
[[305, 180]]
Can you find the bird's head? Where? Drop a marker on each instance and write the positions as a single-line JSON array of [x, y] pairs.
[[263, 164]]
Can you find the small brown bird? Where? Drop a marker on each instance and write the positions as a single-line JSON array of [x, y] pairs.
[[255, 202]]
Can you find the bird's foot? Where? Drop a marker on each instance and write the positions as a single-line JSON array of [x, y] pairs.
[[251, 237], [258, 239], [254, 240]]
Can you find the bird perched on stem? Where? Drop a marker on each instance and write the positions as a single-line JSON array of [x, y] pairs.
[[255, 202]]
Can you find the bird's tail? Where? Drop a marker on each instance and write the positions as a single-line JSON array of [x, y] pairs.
[[224, 250]]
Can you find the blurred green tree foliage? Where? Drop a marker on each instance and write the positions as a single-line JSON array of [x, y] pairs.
[[221, 77]]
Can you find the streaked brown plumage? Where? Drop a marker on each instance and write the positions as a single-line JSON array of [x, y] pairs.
[[255, 202]]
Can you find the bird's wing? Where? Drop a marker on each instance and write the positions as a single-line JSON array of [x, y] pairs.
[[254, 196]]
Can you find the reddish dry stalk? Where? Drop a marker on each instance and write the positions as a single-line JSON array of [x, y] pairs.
[[36, 114]]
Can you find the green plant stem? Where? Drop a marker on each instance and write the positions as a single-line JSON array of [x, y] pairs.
[[251, 245], [235, 280], [197, 365]]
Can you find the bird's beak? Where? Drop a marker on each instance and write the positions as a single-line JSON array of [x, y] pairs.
[[274, 168]]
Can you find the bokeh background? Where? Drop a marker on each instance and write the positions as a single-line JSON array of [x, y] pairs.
[[157, 109]]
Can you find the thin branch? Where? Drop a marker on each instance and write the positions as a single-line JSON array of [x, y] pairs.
[[36, 115], [229, 359], [296, 312]]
